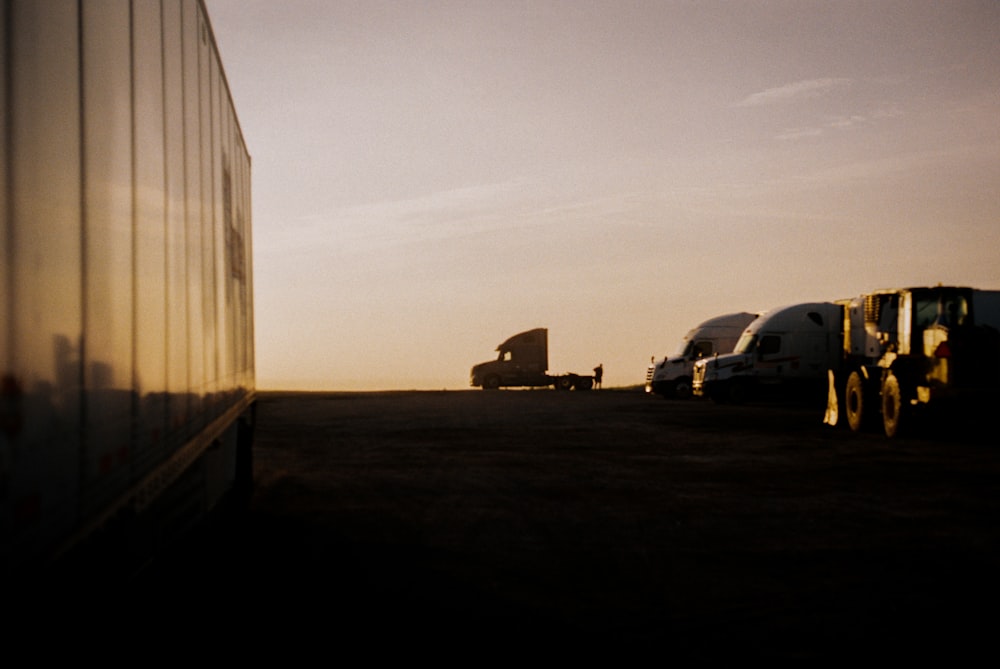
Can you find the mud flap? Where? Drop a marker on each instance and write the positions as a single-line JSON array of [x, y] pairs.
[[832, 410]]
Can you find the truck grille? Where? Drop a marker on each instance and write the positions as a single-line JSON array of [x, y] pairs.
[[698, 374]]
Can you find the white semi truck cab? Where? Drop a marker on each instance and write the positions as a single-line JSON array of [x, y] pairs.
[[785, 351], [671, 377]]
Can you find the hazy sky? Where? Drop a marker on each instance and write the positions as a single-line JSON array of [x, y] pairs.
[[430, 178]]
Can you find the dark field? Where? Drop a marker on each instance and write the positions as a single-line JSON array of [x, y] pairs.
[[610, 521]]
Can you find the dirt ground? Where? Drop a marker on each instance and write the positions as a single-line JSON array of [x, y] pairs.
[[608, 521]]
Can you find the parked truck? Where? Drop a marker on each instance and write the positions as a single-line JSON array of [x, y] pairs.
[[671, 377], [127, 387], [785, 352], [909, 351], [523, 361]]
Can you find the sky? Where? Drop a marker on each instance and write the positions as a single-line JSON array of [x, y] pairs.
[[430, 178]]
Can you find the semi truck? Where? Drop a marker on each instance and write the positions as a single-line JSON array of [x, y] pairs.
[[913, 351], [127, 385], [671, 377], [523, 361], [785, 352]]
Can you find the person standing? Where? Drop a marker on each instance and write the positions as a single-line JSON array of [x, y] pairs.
[[598, 373]]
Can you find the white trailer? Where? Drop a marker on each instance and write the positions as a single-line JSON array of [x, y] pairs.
[[671, 377], [785, 352], [126, 352]]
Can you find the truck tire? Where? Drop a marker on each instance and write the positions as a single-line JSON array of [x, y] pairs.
[[738, 392], [681, 389], [893, 409], [584, 383], [856, 402], [718, 392], [491, 382], [564, 383]]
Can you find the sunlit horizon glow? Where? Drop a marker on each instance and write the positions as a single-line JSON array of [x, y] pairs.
[[430, 178]]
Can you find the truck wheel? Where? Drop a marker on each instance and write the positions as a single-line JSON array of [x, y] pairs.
[[585, 383], [892, 406], [682, 388], [564, 383], [854, 402], [491, 382], [738, 393], [718, 392]]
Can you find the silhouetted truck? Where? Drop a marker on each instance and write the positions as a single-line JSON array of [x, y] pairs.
[[916, 350], [126, 352], [523, 361]]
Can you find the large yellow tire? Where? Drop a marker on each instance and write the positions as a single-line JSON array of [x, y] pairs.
[[893, 409], [855, 402]]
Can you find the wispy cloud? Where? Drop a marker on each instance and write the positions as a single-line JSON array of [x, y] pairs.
[[847, 121], [809, 88], [855, 120], [799, 133], [445, 214], [433, 206], [840, 123]]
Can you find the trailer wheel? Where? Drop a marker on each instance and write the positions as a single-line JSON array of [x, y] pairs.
[[892, 406], [855, 401], [491, 382], [585, 383], [564, 383]]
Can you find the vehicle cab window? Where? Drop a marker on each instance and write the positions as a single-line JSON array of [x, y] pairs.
[[769, 345], [703, 349]]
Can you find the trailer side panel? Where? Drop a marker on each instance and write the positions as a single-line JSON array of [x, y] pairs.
[[126, 351]]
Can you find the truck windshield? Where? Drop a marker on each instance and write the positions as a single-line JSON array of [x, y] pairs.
[[948, 307], [925, 311], [746, 343], [954, 310], [684, 350], [687, 343]]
